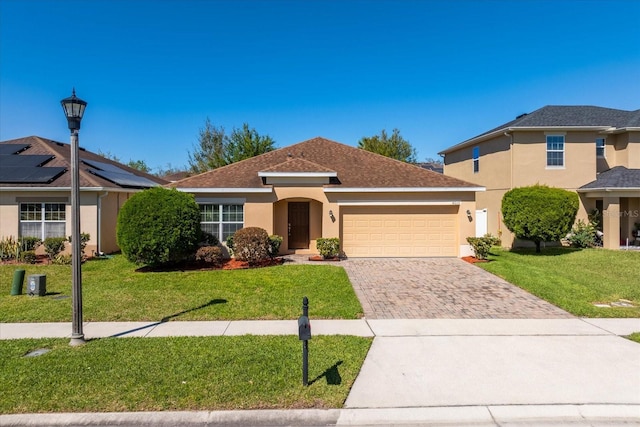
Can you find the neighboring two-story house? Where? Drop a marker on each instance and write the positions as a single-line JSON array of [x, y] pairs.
[[594, 151]]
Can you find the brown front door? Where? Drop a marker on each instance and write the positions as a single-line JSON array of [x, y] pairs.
[[298, 225]]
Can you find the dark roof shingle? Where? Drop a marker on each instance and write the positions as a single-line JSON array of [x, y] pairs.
[[617, 177]]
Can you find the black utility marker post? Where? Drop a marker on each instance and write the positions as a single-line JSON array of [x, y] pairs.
[[304, 334]]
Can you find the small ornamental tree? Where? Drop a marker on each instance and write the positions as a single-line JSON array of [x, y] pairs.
[[539, 213], [158, 226]]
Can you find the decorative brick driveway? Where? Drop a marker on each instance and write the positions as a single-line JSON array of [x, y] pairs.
[[447, 288]]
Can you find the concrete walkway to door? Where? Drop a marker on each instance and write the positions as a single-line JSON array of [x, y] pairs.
[[445, 288]]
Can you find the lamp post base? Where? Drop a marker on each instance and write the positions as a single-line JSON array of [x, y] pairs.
[[77, 340]]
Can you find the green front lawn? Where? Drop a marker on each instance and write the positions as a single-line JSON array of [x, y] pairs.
[[574, 279], [114, 291], [177, 374]]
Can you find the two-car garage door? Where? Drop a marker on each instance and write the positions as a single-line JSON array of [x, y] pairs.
[[409, 231]]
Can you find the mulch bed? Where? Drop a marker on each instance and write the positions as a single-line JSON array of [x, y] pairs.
[[321, 258], [473, 260]]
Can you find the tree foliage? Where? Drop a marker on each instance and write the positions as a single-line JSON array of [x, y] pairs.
[[539, 213], [394, 146], [209, 153], [158, 226], [216, 149]]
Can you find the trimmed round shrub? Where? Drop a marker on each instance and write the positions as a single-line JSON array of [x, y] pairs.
[[274, 245], [211, 255], [539, 213], [28, 257], [251, 244], [158, 226]]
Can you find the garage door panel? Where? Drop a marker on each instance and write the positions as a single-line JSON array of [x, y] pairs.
[[400, 234]]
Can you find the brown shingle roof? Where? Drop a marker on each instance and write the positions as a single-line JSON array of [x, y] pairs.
[[294, 165], [62, 158], [356, 168]]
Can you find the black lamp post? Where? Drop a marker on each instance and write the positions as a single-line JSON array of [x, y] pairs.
[[74, 109]]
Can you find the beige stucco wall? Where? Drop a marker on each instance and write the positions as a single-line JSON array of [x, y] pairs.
[[530, 160], [525, 164], [10, 213], [270, 210], [494, 166]]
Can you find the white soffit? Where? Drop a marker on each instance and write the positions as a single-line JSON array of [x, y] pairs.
[[226, 190], [403, 189], [399, 202]]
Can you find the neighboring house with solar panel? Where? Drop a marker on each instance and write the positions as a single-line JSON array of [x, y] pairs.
[[35, 191], [594, 151]]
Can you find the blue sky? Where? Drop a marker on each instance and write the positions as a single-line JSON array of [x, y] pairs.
[[440, 71]]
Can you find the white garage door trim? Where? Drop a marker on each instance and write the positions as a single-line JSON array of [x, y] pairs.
[[400, 231]]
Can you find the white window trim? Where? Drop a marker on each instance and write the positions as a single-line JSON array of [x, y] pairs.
[[564, 142], [42, 221], [220, 223]]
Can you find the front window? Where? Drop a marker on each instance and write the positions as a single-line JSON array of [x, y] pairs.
[[476, 159], [600, 147], [220, 220], [555, 150], [42, 220]]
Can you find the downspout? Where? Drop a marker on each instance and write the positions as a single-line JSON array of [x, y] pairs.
[[99, 228]]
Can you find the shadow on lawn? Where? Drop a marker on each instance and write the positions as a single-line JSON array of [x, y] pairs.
[[544, 252], [168, 318], [331, 374]]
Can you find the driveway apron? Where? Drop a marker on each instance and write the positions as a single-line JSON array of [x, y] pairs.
[[444, 288]]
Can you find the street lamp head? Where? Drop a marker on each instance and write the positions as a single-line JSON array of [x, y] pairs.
[[74, 109]]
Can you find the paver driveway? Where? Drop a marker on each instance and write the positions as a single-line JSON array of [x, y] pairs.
[[427, 288]]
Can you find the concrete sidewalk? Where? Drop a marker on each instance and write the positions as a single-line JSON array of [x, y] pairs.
[[360, 327], [492, 372]]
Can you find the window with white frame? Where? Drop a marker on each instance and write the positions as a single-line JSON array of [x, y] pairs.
[[221, 220], [42, 220], [555, 150], [476, 159], [600, 147]]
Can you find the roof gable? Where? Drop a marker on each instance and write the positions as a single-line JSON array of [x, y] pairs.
[[355, 168]]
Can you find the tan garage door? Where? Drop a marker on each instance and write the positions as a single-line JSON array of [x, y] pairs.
[[399, 232]]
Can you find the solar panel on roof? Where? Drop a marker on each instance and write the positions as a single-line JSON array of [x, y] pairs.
[[108, 167], [24, 160], [29, 175], [12, 148], [125, 179]]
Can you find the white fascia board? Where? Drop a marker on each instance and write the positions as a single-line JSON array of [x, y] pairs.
[[109, 189], [225, 190], [622, 130], [398, 203], [610, 190], [297, 174], [403, 189], [507, 130]]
